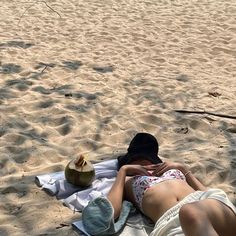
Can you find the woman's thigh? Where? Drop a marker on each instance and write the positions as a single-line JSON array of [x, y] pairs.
[[222, 218]]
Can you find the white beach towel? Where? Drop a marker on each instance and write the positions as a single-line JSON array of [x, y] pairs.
[[77, 198]]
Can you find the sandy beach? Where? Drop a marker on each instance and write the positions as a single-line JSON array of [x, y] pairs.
[[86, 76]]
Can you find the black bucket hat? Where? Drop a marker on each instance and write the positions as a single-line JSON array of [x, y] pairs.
[[142, 146]]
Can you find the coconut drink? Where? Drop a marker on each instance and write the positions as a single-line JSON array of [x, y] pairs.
[[80, 172]]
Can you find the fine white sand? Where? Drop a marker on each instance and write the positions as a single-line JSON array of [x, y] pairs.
[[84, 76]]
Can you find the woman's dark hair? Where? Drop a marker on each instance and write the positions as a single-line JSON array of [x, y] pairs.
[[142, 146]]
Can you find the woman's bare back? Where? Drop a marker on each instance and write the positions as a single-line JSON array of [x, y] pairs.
[[160, 197]]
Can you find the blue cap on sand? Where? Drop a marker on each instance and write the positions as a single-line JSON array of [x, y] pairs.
[[98, 217]]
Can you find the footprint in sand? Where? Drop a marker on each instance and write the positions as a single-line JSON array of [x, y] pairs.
[[21, 85], [42, 90], [16, 139], [72, 65], [10, 68], [103, 69], [64, 124], [17, 44], [65, 129], [46, 104], [6, 93], [19, 154]]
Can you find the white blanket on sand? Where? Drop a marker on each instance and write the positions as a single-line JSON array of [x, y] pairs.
[[77, 198]]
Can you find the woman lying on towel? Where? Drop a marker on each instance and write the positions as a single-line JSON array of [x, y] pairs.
[[169, 194]]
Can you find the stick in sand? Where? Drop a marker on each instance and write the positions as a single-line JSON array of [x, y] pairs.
[[206, 112], [33, 5]]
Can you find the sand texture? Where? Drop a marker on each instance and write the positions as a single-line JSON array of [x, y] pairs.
[[84, 76]]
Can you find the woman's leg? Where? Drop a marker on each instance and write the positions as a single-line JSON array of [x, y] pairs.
[[207, 217]]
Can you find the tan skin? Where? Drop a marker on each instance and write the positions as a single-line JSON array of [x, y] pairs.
[[205, 217]]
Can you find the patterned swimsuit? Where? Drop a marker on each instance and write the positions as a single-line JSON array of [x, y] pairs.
[[141, 183]]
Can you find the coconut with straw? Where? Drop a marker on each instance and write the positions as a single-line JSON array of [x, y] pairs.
[[80, 172]]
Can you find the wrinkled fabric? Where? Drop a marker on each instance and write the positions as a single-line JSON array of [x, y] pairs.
[[76, 197], [169, 224]]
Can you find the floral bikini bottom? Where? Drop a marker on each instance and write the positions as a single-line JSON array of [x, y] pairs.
[[141, 183]]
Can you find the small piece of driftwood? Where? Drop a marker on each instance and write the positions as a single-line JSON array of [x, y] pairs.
[[44, 69], [207, 112], [38, 1]]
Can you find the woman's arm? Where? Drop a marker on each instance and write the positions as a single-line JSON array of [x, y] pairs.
[[190, 178], [116, 193]]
